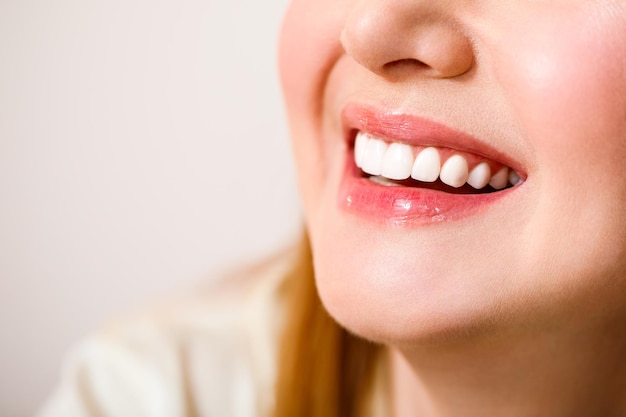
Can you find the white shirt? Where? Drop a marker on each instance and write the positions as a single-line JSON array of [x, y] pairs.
[[212, 355]]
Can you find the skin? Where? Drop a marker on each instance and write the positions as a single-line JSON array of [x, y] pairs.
[[518, 309]]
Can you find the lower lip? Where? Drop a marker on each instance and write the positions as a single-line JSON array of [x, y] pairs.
[[397, 205]]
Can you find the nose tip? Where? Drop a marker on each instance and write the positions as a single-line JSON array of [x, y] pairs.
[[399, 38]]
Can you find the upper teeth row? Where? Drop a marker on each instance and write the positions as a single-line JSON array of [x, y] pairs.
[[396, 161]]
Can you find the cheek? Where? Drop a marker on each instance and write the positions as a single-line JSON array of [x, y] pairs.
[[295, 38], [568, 86], [309, 47], [568, 83]]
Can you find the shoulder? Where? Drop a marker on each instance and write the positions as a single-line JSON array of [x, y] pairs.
[[209, 354]]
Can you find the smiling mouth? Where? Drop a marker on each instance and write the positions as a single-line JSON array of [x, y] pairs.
[[407, 171], [396, 164]]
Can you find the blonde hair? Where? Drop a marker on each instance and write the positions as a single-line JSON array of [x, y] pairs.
[[323, 371]]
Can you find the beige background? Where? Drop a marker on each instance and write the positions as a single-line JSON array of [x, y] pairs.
[[142, 148]]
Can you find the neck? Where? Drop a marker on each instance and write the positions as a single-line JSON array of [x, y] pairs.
[[564, 372]]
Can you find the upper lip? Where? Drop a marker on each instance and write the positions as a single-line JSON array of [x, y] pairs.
[[417, 131]]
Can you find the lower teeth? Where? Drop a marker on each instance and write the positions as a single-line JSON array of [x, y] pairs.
[[383, 181], [437, 185]]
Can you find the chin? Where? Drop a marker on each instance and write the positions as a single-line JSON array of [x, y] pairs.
[[404, 286]]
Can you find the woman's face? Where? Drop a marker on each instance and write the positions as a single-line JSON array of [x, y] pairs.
[[527, 95]]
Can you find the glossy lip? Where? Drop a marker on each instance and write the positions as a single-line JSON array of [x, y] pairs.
[[408, 205]]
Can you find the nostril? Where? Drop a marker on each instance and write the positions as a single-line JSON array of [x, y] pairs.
[[403, 69], [409, 63]]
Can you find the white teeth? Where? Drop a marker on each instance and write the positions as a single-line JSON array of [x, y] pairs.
[[359, 148], [394, 162], [398, 162], [427, 165], [383, 181], [514, 178], [479, 176], [500, 179], [372, 162], [454, 171]]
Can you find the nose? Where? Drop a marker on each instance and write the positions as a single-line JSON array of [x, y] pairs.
[[393, 38]]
